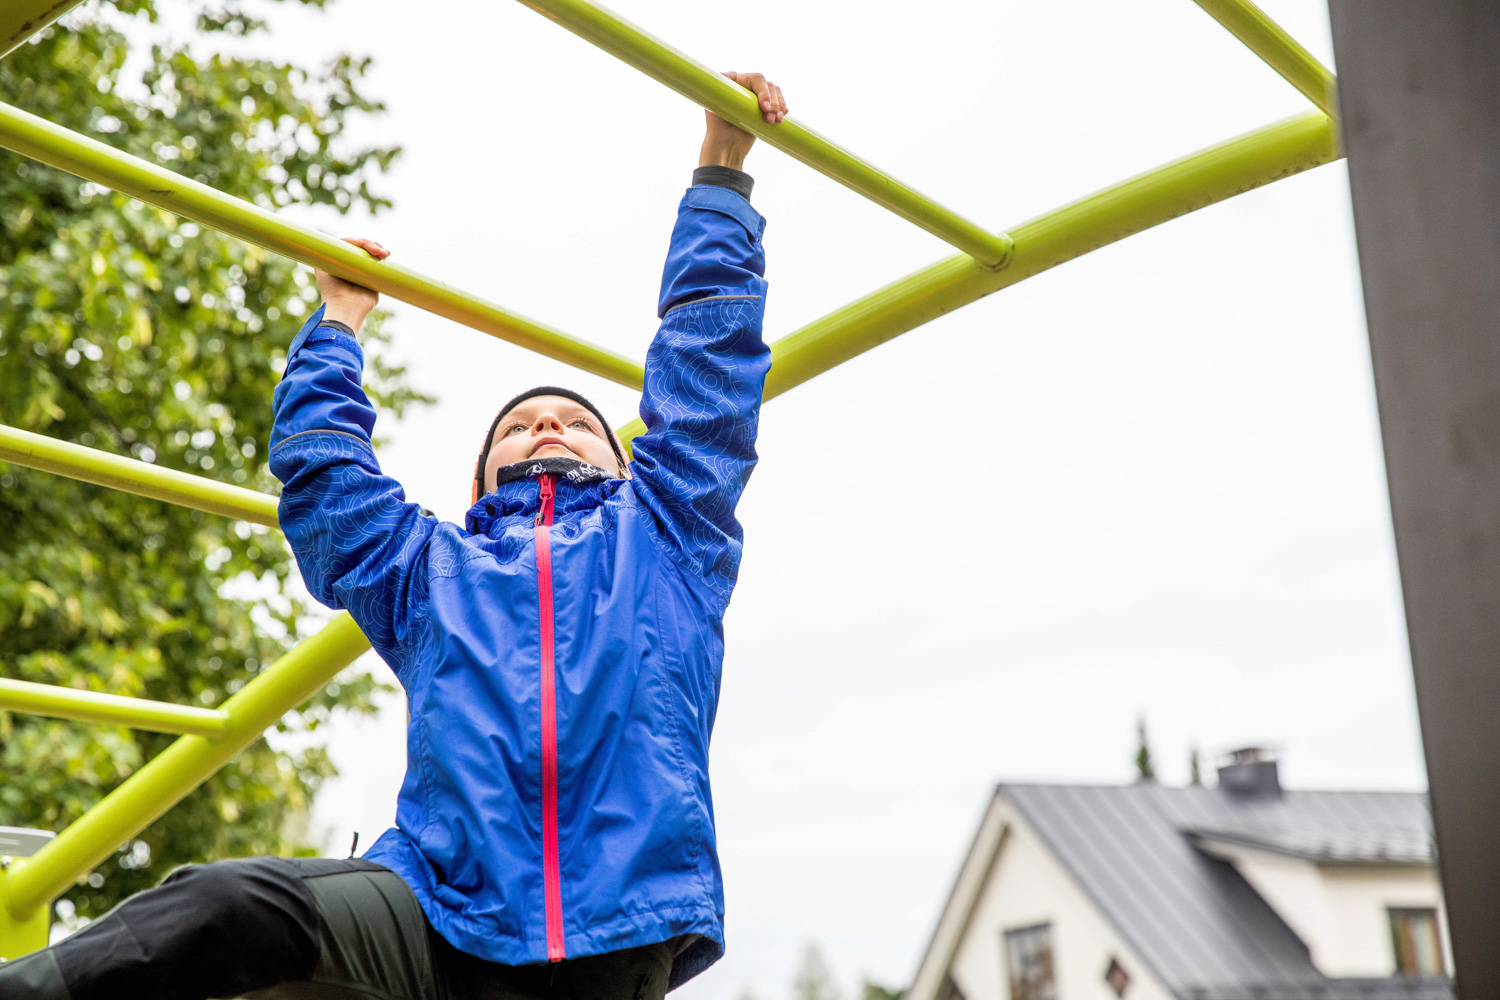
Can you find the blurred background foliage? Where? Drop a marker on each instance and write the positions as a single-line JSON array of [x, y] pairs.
[[127, 329]]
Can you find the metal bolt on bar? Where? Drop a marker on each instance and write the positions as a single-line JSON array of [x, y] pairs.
[[84, 157], [711, 90], [182, 767], [111, 709], [1280, 50], [37, 451]]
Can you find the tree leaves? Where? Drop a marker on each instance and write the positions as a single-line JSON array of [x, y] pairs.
[[125, 328]]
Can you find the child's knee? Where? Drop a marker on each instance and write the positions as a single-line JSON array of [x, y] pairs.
[[218, 929], [228, 896]]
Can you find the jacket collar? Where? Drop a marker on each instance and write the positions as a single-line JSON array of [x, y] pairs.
[[580, 486]]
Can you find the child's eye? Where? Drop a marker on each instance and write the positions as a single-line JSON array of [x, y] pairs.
[[581, 423], [513, 428]]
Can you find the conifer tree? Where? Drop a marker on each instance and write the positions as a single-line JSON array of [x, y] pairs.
[[1145, 767]]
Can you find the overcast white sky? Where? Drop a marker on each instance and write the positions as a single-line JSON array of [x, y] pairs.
[[1149, 481]]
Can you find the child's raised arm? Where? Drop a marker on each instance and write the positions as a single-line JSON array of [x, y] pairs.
[[707, 366], [358, 543]]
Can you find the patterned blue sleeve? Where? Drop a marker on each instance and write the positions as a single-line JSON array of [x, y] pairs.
[[704, 376], [359, 544]]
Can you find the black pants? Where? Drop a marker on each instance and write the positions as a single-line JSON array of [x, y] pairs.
[[295, 928]]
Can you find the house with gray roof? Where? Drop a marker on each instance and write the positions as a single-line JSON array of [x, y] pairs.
[[1244, 891]]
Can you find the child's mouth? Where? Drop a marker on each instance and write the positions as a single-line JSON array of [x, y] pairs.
[[546, 442]]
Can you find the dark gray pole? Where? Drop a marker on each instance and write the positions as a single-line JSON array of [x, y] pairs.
[[1419, 86]]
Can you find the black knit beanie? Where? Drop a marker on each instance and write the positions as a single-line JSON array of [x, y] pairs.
[[541, 390]]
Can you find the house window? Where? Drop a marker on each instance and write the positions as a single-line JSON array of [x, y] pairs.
[[1116, 976], [1419, 949], [1028, 959]]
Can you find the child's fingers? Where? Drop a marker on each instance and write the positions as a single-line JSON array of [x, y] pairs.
[[369, 246], [757, 84], [768, 96], [764, 95]]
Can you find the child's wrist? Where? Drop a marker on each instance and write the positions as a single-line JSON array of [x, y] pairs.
[[711, 156], [349, 315]]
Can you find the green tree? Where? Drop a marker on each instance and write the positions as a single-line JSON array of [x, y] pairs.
[[125, 328], [814, 980], [1145, 766], [871, 990], [1195, 769]]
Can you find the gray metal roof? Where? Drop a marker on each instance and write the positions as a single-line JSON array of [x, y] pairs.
[[1191, 917], [1382, 847]]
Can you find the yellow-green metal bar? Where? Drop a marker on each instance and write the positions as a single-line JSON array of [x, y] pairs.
[[1177, 188], [111, 709], [711, 90], [1280, 50], [20, 19], [24, 935], [179, 769], [36, 451], [58, 147]]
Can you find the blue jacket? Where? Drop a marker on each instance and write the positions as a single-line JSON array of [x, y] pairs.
[[556, 802]]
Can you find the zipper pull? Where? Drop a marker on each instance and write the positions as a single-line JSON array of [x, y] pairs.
[[544, 512]]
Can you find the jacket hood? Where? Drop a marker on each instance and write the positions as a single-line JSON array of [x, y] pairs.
[[580, 486]]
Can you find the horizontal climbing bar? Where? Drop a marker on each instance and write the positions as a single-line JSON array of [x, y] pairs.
[[1173, 189], [58, 147], [708, 89], [1281, 51], [1195, 181], [36, 451], [20, 19], [111, 709], [182, 767]]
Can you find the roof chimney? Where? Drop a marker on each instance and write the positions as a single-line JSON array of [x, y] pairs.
[[1250, 771]]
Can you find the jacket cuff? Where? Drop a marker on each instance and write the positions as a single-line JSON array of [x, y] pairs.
[[316, 330], [737, 181], [726, 202]]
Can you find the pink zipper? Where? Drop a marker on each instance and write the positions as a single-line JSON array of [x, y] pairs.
[[551, 869]]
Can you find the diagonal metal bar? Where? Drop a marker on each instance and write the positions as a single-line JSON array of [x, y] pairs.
[[708, 89], [36, 451], [182, 767], [1177, 188], [1281, 51], [111, 709], [20, 19], [214, 736], [58, 147], [1160, 195]]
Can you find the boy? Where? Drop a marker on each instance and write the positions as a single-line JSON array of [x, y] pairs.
[[561, 657]]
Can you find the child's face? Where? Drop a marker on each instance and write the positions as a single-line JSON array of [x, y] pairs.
[[548, 427]]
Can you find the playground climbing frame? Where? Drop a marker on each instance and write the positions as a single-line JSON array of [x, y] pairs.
[[985, 263]]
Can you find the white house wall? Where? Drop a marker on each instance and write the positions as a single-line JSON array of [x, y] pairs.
[[1027, 886], [1339, 911], [1360, 931]]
